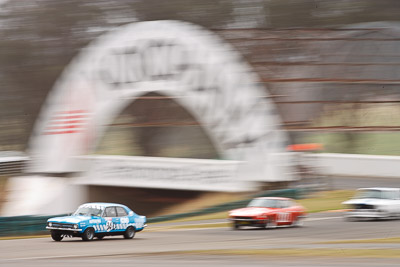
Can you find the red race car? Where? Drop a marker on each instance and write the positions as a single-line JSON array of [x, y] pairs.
[[268, 212]]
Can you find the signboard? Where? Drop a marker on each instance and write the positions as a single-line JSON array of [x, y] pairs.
[[167, 173]]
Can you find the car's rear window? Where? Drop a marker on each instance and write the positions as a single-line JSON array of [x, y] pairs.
[[121, 212]]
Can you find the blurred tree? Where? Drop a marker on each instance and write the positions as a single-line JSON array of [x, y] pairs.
[[327, 13], [39, 37], [37, 40], [208, 13]]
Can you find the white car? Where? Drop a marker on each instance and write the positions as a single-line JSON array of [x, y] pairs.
[[378, 202]]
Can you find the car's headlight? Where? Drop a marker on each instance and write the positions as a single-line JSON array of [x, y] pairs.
[[50, 224], [75, 226]]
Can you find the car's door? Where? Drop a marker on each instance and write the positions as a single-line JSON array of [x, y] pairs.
[[283, 215], [110, 219], [395, 202], [123, 218], [294, 209]]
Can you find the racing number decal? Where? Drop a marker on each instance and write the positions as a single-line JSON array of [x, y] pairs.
[[283, 217], [110, 226]]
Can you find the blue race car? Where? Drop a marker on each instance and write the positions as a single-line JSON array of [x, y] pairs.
[[97, 220]]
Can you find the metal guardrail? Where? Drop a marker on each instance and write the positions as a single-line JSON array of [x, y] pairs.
[[35, 225]]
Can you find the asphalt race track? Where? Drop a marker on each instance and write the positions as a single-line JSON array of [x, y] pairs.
[[159, 245]]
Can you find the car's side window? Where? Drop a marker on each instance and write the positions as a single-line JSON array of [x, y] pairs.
[[389, 194], [121, 212], [110, 212]]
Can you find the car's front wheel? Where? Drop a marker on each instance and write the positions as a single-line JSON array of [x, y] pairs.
[[88, 234], [350, 219], [56, 236], [235, 225], [129, 233]]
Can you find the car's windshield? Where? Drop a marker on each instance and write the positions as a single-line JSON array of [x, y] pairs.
[[266, 203], [88, 211], [374, 193]]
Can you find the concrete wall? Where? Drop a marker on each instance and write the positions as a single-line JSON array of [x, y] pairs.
[[40, 195], [355, 165]]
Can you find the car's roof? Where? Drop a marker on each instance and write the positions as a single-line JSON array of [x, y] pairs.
[[380, 188], [103, 204], [275, 198]]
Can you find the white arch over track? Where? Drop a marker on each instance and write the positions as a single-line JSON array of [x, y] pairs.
[[205, 75], [178, 59]]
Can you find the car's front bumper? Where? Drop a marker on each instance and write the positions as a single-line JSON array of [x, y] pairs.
[[248, 222], [64, 229]]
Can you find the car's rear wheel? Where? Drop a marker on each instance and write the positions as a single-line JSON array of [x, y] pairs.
[[56, 236], [129, 232], [298, 222], [88, 234], [235, 225]]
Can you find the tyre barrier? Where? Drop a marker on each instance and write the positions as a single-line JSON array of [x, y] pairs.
[[36, 225]]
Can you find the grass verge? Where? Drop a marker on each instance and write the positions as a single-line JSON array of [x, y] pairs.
[[326, 200], [190, 226], [364, 241]]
